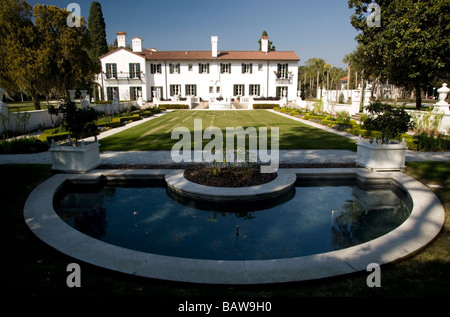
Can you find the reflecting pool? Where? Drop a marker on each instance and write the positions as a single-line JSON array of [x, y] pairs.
[[315, 217]]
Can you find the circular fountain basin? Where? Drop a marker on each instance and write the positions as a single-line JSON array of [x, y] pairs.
[[424, 223], [284, 181]]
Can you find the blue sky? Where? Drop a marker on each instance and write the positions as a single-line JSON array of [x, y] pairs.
[[311, 28]]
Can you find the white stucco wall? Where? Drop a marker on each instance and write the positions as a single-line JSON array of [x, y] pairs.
[[122, 58]]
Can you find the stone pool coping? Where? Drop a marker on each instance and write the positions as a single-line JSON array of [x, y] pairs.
[[423, 225], [176, 181]]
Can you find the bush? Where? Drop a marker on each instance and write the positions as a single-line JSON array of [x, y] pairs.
[[23, 146], [80, 123], [265, 106], [174, 106], [113, 123], [134, 117], [427, 142], [389, 120]]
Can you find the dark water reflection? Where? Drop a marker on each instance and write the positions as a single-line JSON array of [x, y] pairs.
[[316, 217]]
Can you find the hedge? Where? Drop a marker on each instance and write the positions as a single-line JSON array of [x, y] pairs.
[[265, 106], [174, 106]]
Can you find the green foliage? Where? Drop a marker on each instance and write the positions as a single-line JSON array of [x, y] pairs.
[[271, 47], [79, 122], [427, 142], [23, 146], [39, 53], [174, 106], [97, 33], [265, 106], [389, 120], [410, 48]]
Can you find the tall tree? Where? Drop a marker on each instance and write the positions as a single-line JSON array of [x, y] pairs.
[[317, 66], [97, 33], [46, 57], [411, 46], [66, 48], [17, 44]]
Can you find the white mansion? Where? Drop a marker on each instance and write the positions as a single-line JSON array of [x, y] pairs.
[[171, 75]]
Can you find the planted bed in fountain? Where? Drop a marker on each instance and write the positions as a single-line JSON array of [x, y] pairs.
[[302, 224]]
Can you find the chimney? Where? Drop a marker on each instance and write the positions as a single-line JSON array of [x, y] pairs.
[[214, 40], [121, 39], [137, 44], [265, 44]]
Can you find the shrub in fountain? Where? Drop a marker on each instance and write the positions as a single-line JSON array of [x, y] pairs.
[[386, 153], [71, 156]]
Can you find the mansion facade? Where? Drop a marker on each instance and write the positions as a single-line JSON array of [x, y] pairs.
[[170, 75]]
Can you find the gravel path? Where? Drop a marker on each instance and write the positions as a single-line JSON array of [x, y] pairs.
[[164, 157]]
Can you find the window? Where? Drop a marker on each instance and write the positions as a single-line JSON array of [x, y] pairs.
[[203, 68], [135, 71], [190, 67], [260, 67], [282, 72], [254, 90], [111, 70], [211, 89], [155, 68], [174, 68], [191, 90], [157, 92], [246, 68], [282, 91], [225, 68], [238, 90], [175, 90], [135, 93], [110, 91]]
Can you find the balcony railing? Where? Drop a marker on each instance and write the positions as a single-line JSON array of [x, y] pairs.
[[129, 77]]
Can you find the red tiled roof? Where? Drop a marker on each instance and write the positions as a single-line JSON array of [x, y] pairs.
[[226, 55], [206, 55]]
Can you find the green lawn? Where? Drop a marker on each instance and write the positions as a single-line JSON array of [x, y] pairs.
[[156, 134], [31, 268]]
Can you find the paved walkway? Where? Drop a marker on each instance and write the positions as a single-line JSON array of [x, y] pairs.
[[164, 157]]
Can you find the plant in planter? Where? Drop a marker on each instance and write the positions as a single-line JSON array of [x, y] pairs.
[[81, 123], [392, 122], [387, 153]]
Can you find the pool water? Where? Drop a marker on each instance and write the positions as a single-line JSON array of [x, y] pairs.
[[315, 217]]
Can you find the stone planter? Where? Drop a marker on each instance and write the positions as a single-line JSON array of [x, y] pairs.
[[381, 157], [75, 159]]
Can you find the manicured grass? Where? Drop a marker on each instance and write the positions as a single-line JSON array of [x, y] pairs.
[[24, 106], [31, 268], [156, 134]]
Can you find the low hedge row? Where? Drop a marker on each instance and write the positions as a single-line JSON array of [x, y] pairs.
[[265, 106], [423, 142], [174, 106]]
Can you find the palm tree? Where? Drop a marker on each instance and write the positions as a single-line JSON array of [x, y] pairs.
[[316, 65], [348, 59]]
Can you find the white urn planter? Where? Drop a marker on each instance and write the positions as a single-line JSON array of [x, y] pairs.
[[75, 159], [381, 157]]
